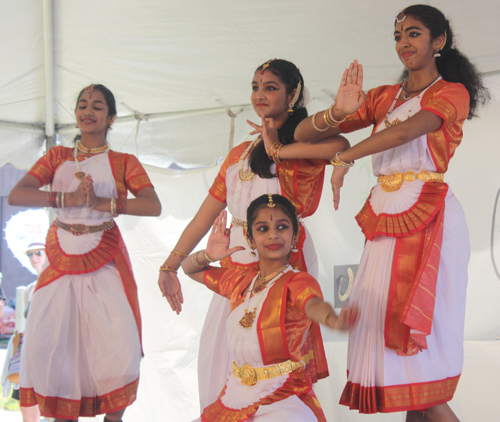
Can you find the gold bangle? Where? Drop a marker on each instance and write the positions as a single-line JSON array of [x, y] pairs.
[[179, 254], [337, 162], [207, 257], [276, 156], [314, 124], [271, 150], [332, 119], [327, 317], [113, 207], [165, 267], [194, 258]]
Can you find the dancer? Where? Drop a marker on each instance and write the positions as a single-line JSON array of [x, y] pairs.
[[83, 349], [278, 98], [272, 308], [406, 352]]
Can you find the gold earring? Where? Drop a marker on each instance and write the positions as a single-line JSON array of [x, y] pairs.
[[252, 249]]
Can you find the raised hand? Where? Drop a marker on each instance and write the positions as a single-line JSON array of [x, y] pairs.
[[171, 290], [218, 241], [350, 95], [337, 182]]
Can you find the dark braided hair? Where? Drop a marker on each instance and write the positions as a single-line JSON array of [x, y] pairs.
[[290, 75], [453, 66], [280, 202]]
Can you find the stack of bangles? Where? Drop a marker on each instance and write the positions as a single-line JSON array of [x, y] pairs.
[[56, 199], [274, 152], [118, 206], [337, 162], [328, 119]]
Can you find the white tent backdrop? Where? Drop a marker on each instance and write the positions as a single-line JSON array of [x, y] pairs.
[[170, 61]]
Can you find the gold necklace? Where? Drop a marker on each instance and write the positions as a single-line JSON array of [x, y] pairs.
[[264, 280], [247, 174], [80, 175], [248, 318], [91, 151], [415, 91]]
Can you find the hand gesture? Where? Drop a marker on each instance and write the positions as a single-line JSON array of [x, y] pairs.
[[91, 198], [218, 241], [337, 182], [171, 290], [350, 95], [347, 319], [78, 197]]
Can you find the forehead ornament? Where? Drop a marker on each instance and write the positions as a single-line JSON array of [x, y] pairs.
[[401, 17], [265, 66], [271, 204], [90, 88]]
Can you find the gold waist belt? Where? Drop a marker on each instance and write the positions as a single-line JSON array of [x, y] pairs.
[[236, 222], [79, 229], [249, 375], [393, 182]]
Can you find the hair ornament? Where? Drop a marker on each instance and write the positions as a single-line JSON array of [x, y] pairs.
[[90, 88], [265, 66], [295, 98], [271, 204], [401, 17]]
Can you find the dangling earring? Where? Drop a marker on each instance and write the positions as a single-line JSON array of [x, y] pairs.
[[252, 249], [437, 53], [110, 127], [290, 108], [76, 126], [294, 246]]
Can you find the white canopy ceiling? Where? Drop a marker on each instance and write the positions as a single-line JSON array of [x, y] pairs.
[[175, 59]]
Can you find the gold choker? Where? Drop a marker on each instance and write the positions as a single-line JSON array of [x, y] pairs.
[[90, 151]]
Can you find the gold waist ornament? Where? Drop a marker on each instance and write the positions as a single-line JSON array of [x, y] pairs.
[[393, 182], [79, 229], [250, 375]]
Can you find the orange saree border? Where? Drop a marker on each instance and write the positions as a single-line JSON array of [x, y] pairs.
[[412, 292], [58, 407], [111, 248], [416, 218], [295, 385], [398, 398]]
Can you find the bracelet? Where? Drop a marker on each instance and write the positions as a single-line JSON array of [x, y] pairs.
[[330, 121], [194, 258], [113, 207], [121, 206], [166, 267], [51, 198], [337, 162], [276, 155], [272, 149], [314, 124], [207, 257], [327, 317], [179, 254], [63, 200]]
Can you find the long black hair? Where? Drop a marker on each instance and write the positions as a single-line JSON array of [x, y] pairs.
[[279, 202], [290, 75], [453, 66]]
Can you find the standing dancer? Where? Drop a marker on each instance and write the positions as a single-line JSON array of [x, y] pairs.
[[406, 352], [248, 172], [272, 309], [83, 337]]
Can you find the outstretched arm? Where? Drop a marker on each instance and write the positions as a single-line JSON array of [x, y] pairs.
[[420, 124], [320, 311], [193, 233]]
